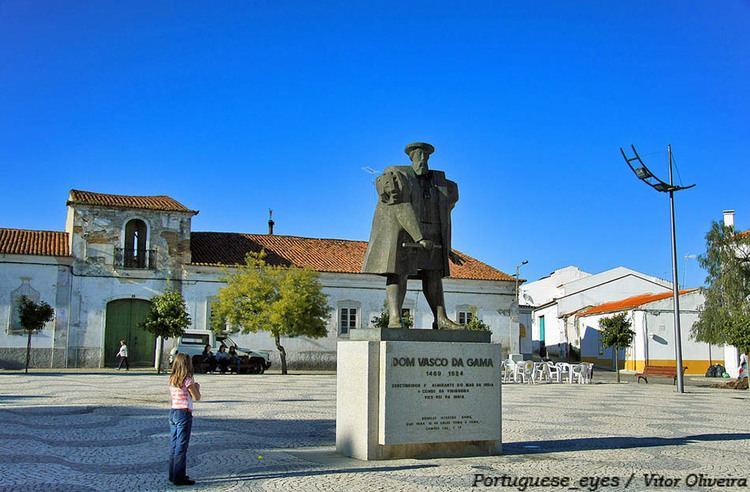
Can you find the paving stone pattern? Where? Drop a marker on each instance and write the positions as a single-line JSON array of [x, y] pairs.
[[109, 431]]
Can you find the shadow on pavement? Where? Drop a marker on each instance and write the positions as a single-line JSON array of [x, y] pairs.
[[18, 397], [307, 472], [600, 443]]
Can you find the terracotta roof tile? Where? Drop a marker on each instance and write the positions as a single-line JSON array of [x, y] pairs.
[[628, 303], [158, 202], [323, 255], [26, 242]]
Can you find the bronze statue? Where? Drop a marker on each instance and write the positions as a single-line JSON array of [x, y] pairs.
[[411, 233]]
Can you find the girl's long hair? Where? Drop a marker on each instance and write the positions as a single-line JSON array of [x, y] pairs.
[[182, 368]]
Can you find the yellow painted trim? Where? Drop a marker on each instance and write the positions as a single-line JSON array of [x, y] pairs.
[[695, 367]]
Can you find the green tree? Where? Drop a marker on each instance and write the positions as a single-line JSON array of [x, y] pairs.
[[725, 315], [284, 301], [616, 333], [381, 320], [167, 318], [476, 324], [33, 317]]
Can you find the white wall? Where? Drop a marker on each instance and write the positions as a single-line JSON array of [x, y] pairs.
[[41, 273], [658, 329], [611, 290], [653, 324], [90, 296], [591, 348], [551, 327], [612, 285], [545, 289], [492, 300], [50, 279]]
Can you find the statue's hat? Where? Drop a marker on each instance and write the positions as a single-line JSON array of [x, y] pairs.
[[419, 145]]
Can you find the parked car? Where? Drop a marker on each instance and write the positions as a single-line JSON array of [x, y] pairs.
[[193, 343]]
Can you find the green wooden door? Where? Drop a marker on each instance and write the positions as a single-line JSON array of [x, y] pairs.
[[541, 328], [123, 318]]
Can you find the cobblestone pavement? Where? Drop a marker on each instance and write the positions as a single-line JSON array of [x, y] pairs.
[[109, 431]]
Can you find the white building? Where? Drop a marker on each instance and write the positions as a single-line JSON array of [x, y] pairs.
[[119, 251], [546, 289], [652, 318], [570, 290], [732, 355], [539, 293]]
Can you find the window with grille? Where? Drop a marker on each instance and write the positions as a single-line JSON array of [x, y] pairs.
[[464, 317], [135, 244], [347, 319]]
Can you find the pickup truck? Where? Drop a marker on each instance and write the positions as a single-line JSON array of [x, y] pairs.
[[193, 343]]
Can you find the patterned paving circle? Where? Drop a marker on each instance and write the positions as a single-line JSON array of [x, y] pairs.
[[99, 431]]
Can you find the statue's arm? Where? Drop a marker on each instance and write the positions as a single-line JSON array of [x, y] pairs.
[[452, 193], [408, 220], [395, 192]]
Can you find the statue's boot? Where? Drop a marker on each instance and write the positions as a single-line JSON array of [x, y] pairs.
[[445, 323], [395, 325]]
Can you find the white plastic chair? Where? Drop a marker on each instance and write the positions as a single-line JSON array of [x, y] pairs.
[[554, 373], [540, 371], [526, 371], [508, 371], [588, 373], [564, 369], [578, 373]]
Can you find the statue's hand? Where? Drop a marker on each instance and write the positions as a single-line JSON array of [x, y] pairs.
[[455, 258], [427, 244]]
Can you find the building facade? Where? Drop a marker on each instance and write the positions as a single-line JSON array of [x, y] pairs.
[[119, 251], [569, 290], [652, 318]]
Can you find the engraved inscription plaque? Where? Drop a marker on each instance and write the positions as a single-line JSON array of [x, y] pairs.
[[439, 392]]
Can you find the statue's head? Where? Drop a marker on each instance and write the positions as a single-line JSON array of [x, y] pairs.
[[419, 153]]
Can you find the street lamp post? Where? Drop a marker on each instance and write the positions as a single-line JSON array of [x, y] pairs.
[[644, 174], [517, 275], [515, 315]]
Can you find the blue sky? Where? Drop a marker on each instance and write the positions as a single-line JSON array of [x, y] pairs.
[[237, 107]]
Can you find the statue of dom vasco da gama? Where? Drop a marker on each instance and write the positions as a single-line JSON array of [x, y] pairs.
[[411, 233]]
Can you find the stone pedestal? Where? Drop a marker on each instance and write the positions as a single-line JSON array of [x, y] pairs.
[[417, 394]]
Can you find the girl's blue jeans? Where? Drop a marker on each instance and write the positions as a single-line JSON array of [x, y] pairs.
[[180, 424]]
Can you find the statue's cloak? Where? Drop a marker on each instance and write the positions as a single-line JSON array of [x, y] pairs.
[[396, 222]]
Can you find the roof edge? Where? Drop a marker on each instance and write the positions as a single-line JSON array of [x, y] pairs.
[[71, 201]]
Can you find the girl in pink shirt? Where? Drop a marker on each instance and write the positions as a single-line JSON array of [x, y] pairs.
[[183, 390]]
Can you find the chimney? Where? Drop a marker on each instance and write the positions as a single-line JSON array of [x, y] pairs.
[[270, 222], [729, 218]]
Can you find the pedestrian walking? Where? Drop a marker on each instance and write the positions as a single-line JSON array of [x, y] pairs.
[[183, 390], [123, 356]]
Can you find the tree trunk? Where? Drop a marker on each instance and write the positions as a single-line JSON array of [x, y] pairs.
[[617, 363], [282, 352], [28, 352], [159, 349]]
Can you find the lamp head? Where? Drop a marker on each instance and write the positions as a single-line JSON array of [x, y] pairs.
[[642, 173]]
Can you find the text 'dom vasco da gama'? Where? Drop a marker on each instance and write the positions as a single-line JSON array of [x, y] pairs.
[[439, 392]]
